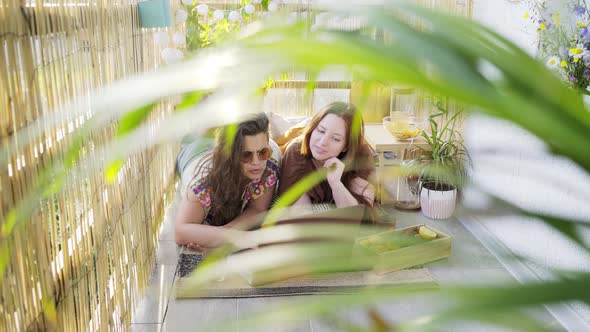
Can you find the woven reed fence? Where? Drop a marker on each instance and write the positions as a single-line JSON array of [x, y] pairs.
[[82, 257]]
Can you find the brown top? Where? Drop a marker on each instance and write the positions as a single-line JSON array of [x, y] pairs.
[[295, 167]]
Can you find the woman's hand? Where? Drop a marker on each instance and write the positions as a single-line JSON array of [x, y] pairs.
[[241, 239], [336, 168], [197, 247]]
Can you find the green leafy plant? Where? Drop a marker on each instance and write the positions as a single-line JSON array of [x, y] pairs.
[[202, 32], [564, 40], [207, 30], [454, 49], [444, 164]]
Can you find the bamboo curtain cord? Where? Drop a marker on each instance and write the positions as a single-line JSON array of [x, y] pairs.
[[82, 258]]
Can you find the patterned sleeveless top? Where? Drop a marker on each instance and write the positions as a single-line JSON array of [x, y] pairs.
[[254, 189]]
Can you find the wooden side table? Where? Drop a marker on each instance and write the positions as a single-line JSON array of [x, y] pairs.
[[382, 142]]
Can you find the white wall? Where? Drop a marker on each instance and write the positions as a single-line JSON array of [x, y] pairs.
[[516, 166], [507, 19]]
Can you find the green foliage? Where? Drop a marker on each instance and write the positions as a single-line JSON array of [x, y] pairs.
[[444, 164], [112, 169], [133, 119], [203, 32], [127, 124], [524, 92], [230, 132], [293, 193], [564, 40], [191, 99], [264, 4]]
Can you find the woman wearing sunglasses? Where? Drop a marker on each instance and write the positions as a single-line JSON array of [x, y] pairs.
[[231, 183], [333, 139]]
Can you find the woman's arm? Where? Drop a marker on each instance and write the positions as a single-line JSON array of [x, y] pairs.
[[359, 186], [363, 188], [189, 227], [342, 195], [251, 217]]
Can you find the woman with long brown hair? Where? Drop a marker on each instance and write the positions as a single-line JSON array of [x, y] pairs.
[[333, 139], [234, 181]]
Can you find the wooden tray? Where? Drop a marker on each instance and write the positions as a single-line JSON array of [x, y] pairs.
[[399, 252]]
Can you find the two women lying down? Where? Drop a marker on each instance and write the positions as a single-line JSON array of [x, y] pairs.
[[230, 182]]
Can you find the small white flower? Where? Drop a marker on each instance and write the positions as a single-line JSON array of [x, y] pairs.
[[336, 23], [218, 15], [233, 16], [249, 9], [578, 51], [272, 6], [167, 53], [553, 62], [161, 38], [322, 18], [170, 55], [202, 9], [181, 16], [187, 2], [179, 38], [292, 18]]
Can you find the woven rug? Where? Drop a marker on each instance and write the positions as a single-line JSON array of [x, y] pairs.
[[237, 286]]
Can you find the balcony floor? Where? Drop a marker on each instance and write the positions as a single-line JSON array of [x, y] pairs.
[[470, 263]]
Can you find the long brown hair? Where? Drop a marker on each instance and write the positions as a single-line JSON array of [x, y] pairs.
[[356, 155], [224, 171]]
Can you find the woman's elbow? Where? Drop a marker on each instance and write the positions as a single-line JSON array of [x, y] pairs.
[[179, 234], [367, 197], [370, 198]]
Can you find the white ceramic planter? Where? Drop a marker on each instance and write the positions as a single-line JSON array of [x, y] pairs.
[[438, 204]]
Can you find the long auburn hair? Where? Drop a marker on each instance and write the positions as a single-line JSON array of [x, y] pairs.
[[356, 155], [224, 170]]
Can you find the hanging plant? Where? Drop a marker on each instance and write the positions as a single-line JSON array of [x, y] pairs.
[[207, 26]]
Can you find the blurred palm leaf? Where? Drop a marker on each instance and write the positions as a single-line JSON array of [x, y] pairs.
[[448, 55]]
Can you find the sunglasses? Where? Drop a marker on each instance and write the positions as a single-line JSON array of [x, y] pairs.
[[263, 154]]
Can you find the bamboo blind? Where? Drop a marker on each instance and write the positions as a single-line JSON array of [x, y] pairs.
[[80, 260], [291, 97]]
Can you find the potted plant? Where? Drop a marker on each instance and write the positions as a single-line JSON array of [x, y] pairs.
[[442, 167]]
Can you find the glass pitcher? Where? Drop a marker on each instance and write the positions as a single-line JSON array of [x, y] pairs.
[[403, 101], [407, 193]]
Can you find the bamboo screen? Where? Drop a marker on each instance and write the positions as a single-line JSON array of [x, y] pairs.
[[79, 261]]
